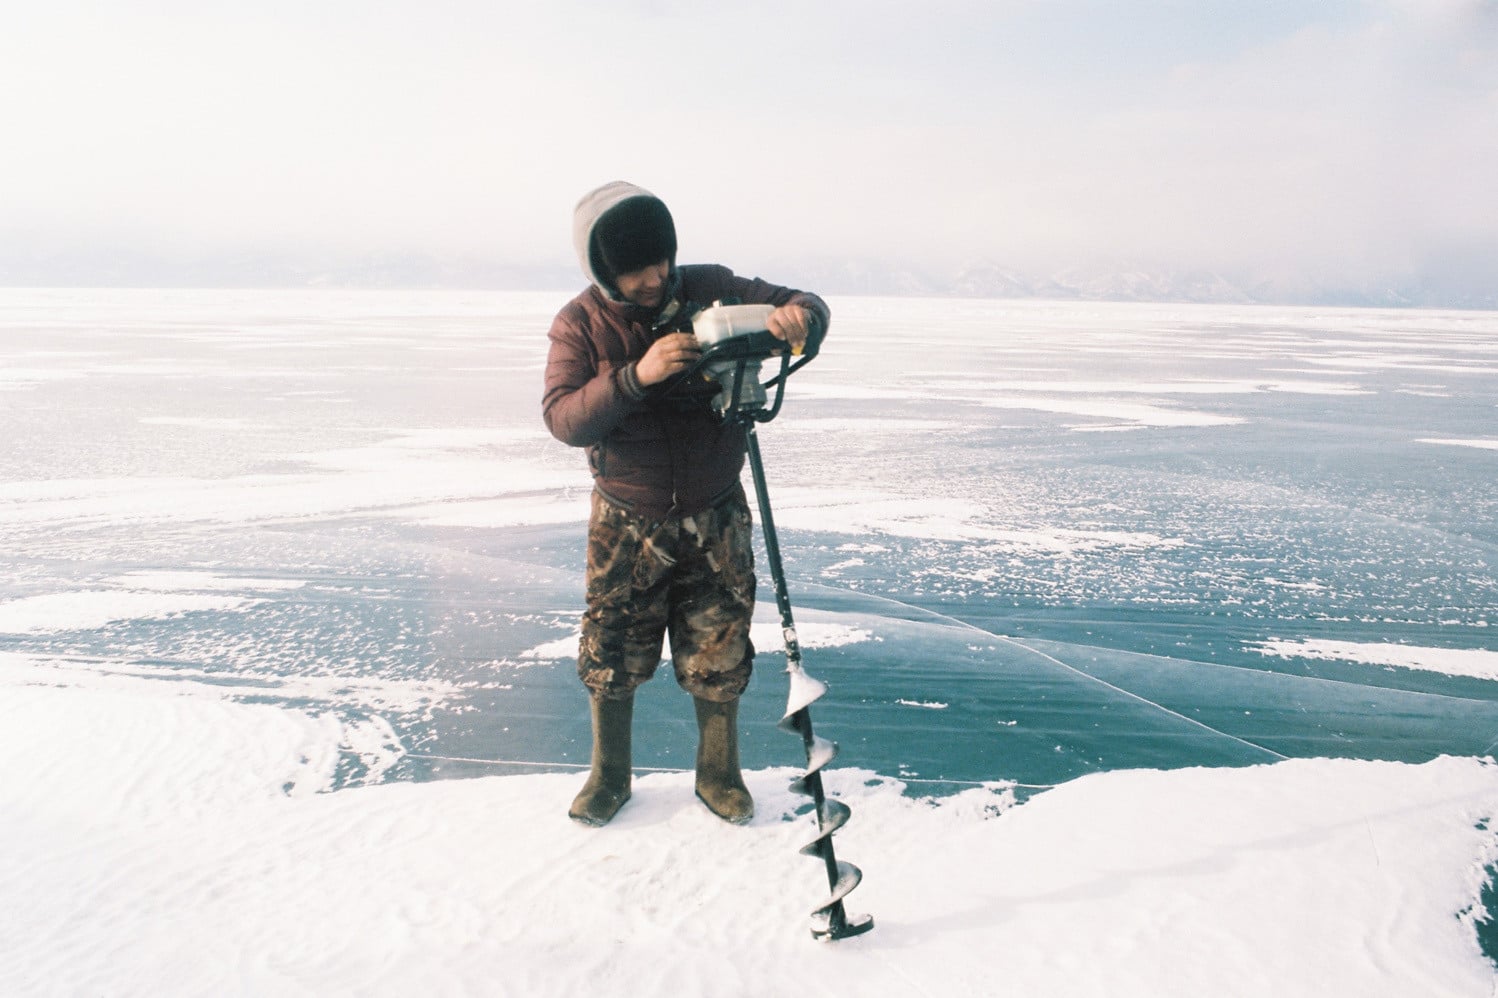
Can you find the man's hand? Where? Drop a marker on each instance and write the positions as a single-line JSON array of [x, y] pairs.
[[791, 323], [671, 354]]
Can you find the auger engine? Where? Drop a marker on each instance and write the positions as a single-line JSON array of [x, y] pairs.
[[735, 343]]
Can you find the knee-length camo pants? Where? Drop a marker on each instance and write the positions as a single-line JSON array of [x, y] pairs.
[[691, 577]]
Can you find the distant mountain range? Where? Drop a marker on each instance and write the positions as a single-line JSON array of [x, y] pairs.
[[986, 280], [975, 280]]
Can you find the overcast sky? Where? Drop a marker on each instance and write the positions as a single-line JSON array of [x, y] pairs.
[[1355, 136]]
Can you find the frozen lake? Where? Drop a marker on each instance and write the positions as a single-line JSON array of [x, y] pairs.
[[1026, 540]]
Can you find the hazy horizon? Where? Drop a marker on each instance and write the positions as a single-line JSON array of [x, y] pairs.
[[1347, 145]]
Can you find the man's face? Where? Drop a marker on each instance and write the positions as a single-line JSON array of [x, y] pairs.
[[645, 287]]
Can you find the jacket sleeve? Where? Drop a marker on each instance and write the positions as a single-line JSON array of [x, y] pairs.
[[753, 291], [584, 399]]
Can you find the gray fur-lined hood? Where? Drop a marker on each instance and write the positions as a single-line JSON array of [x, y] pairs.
[[590, 208]]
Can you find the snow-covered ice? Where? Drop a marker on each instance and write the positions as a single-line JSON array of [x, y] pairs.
[[1204, 706], [170, 845]]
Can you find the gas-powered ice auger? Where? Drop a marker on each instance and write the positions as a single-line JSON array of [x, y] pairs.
[[735, 341]]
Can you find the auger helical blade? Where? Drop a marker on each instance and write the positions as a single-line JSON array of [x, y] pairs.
[[848, 877], [832, 815], [791, 723], [819, 753], [829, 921], [804, 691]]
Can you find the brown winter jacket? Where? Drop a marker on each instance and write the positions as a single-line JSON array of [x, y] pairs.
[[646, 454]]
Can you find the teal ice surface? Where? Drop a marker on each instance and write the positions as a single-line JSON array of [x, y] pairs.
[[1066, 530]]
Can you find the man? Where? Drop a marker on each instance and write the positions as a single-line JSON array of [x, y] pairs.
[[669, 539]]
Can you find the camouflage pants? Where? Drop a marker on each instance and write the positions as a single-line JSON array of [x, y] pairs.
[[691, 576]]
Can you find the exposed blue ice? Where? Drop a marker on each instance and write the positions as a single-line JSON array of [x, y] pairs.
[[1036, 539]]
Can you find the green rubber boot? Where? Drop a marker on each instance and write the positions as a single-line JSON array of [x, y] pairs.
[[608, 784], [720, 785]]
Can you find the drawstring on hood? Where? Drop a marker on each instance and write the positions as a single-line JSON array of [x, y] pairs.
[[621, 227]]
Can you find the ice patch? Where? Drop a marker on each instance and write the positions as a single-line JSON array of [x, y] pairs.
[[197, 422], [395, 696], [867, 425], [403, 446], [567, 506], [26, 377], [178, 581], [1475, 663], [1309, 587], [941, 519], [561, 648], [1181, 387], [766, 636], [1126, 415], [375, 743], [1482, 443], [392, 489], [81, 611]]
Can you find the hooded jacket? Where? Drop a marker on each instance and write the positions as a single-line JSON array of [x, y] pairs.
[[648, 453]]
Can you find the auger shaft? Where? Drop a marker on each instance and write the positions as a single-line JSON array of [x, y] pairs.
[[772, 551]]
